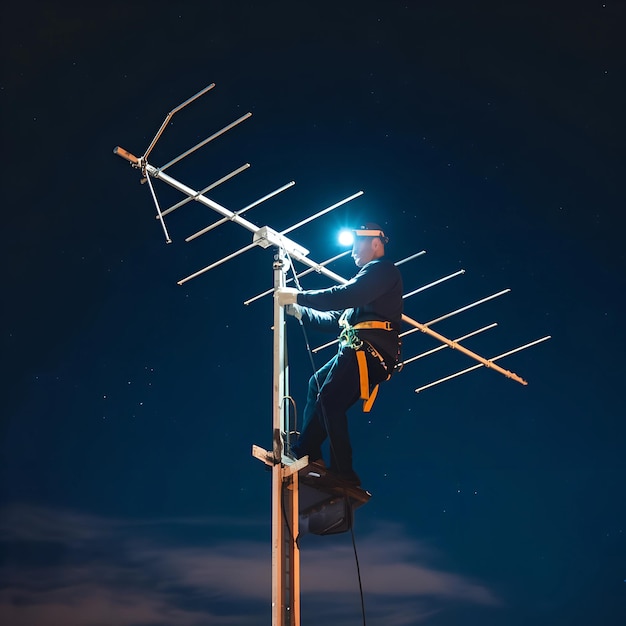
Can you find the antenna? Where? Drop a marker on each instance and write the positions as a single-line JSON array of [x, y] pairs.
[[297, 505]]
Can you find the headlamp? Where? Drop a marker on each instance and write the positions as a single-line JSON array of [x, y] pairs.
[[371, 230]]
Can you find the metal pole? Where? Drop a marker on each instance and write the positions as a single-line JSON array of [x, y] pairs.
[[278, 557], [285, 552]]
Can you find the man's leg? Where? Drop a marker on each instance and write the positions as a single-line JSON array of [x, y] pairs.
[[326, 410], [313, 428], [340, 391]]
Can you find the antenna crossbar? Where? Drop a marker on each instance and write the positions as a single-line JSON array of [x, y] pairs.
[[182, 281], [457, 311], [240, 212], [457, 346], [215, 135], [213, 185], [410, 258], [199, 197], [489, 364], [436, 282], [444, 346], [322, 212]]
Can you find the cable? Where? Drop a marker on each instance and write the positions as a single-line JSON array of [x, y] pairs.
[[358, 569], [310, 353], [295, 540]]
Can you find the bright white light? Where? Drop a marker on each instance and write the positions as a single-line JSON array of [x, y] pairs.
[[346, 238]]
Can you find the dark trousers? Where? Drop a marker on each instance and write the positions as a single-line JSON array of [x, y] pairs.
[[333, 389]]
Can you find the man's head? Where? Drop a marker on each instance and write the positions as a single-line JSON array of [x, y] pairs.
[[369, 243]]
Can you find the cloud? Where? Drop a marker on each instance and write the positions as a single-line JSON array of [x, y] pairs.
[[394, 564], [74, 569]]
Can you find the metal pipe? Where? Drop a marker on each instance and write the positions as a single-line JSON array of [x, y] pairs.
[[241, 211], [245, 166], [125, 154], [457, 311], [436, 282], [443, 347], [168, 239], [464, 350], [202, 199], [474, 367], [410, 258], [180, 157], [322, 212], [217, 263]]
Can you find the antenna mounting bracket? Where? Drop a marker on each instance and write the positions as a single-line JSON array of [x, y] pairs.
[[266, 237]]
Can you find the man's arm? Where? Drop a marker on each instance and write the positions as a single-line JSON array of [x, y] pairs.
[[372, 281], [324, 320]]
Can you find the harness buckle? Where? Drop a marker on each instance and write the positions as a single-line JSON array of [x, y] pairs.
[[350, 338]]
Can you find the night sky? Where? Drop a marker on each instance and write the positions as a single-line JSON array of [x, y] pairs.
[[490, 134]]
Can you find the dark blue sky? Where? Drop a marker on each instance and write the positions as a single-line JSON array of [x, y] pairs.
[[489, 134]]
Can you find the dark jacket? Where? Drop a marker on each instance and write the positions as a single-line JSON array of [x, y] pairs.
[[375, 293]]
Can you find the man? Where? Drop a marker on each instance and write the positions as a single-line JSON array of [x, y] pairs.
[[368, 310]]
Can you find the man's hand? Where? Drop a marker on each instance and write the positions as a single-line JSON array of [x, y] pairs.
[[294, 310], [286, 295]]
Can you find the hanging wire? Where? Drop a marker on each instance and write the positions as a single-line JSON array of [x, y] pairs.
[[310, 353], [295, 540], [306, 337], [358, 568]]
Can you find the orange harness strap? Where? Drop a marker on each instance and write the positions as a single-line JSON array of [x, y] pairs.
[[368, 396], [350, 338]]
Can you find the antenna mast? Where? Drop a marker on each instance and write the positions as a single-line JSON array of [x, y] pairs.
[[297, 505]]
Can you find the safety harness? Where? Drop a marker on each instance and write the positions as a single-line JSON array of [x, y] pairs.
[[349, 337]]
